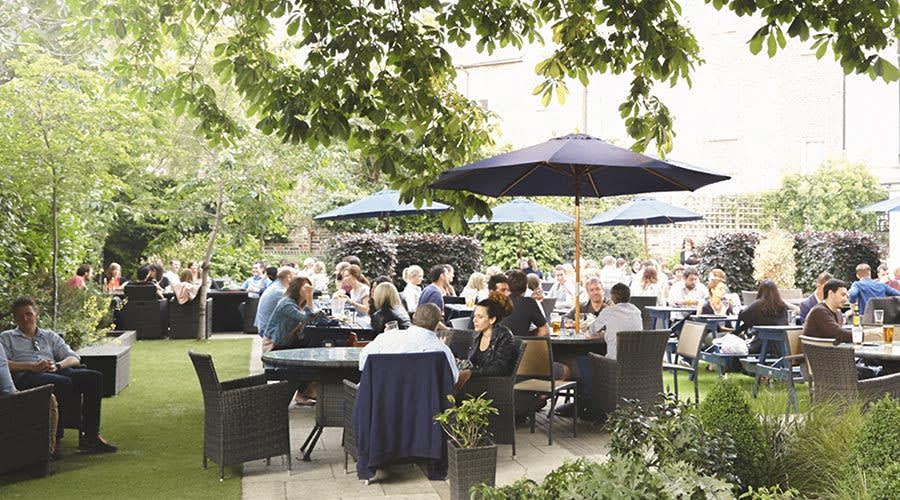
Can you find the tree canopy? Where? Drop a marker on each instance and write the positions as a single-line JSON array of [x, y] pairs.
[[377, 74]]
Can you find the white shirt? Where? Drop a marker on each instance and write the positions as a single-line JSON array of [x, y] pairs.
[[562, 293], [623, 317], [609, 276], [652, 290], [680, 293], [415, 339], [357, 295], [410, 295], [173, 278]]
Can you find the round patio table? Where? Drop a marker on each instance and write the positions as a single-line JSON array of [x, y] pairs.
[[329, 366], [877, 351], [568, 348]]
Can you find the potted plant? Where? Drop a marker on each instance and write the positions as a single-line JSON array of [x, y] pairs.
[[472, 457]]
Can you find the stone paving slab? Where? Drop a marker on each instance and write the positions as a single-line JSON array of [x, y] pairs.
[[323, 477]]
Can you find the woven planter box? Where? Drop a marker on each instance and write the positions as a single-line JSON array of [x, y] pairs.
[[470, 466]]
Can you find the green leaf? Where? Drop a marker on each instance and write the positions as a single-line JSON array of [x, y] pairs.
[[293, 26], [756, 43], [782, 42], [772, 45], [821, 50], [119, 26]]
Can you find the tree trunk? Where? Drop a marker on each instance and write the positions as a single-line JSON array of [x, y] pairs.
[[54, 229], [204, 275]]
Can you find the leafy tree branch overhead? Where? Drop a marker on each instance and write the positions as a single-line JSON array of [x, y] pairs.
[[376, 74]]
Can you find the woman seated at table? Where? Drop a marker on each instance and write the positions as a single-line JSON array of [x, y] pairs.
[[412, 275], [185, 290], [386, 307], [768, 309], [717, 304], [359, 288], [114, 278], [476, 289], [493, 352], [285, 327], [318, 277], [648, 285]]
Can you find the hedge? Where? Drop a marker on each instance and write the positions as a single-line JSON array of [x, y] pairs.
[[732, 253], [837, 253], [389, 254]]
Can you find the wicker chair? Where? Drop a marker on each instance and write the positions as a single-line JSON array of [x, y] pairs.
[[501, 391], [890, 306], [246, 419], [459, 341], [833, 372], [148, 317], [636, 374], [348, 438], [25, 430], [184, 319], [642, 302]]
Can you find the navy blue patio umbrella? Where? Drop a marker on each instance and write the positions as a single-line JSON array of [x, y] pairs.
[[383, 204], [574, 165], [643, 211], [522, 211]]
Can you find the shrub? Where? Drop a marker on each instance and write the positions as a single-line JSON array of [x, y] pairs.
[[837, 253], [732, 253], [501, 244], [878, 442], [885, 483], [616, 478], [427, 249], [598, 242], [377, 252], [726, 410], [84, 316], [774, 259], [665, 434], [818, 461]]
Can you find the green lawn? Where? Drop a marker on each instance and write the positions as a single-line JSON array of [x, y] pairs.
[[157, 423]]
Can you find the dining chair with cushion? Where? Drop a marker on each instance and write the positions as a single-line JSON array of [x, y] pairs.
[[642, 302], [748, 297], [687, 355], [245, 419], [536, 368], [635, 374], [184, 319], [834, 377], [501, 391]]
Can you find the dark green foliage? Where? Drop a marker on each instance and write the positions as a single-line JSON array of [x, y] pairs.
[[878, 441], [598, 242], [377, 253], [504, 243], [726, 410], [668, 434], [732, 253], [885, 483], [427, 249], [836, 252]]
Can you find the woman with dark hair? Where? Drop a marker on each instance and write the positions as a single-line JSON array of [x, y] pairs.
[[359, 288], [767, 309], [289, 316], [493, 352], [688, 253]]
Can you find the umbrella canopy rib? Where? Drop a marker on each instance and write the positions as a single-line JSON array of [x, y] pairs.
[[519, 179]]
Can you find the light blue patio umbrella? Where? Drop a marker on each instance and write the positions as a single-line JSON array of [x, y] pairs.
[[383, 204], [523, 211], [891, 205], [643, 211]]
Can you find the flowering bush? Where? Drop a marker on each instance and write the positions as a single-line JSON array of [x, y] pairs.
[[774, 259]]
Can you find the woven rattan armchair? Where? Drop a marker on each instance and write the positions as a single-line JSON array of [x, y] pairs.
[[25, 430], [184, 319], [635, 374], [348, 438], [834, 377], [500, 390], [246, 418]]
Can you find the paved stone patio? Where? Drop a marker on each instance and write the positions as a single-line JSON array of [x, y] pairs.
[[323, 477]]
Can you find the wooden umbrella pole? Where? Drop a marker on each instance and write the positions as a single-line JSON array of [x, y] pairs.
[[577, 256], [646, 247], [520, 242]]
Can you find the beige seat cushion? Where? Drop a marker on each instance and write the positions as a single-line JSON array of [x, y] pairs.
[[538, 385]]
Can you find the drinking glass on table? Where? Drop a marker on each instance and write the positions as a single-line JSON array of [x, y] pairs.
[[888, 334], [879, 316], [391, 325]]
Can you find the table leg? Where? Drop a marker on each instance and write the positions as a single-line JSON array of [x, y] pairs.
[[311, 441]]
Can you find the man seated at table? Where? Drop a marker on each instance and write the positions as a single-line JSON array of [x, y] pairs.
[[257, 282], [814, 298], [596, 299], [38, 357], [269, 298], [420, 337], [525, 310], [867, 288], [825, 320], [562, 290], [81, 278], [143, 288], [434, 292], [621, 316]]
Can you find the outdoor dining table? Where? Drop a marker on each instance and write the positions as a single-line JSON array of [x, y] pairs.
[[714, 321], [568, 348], [887, 355], [452, 311], [659, 315], [320, 335], [328, 366]]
